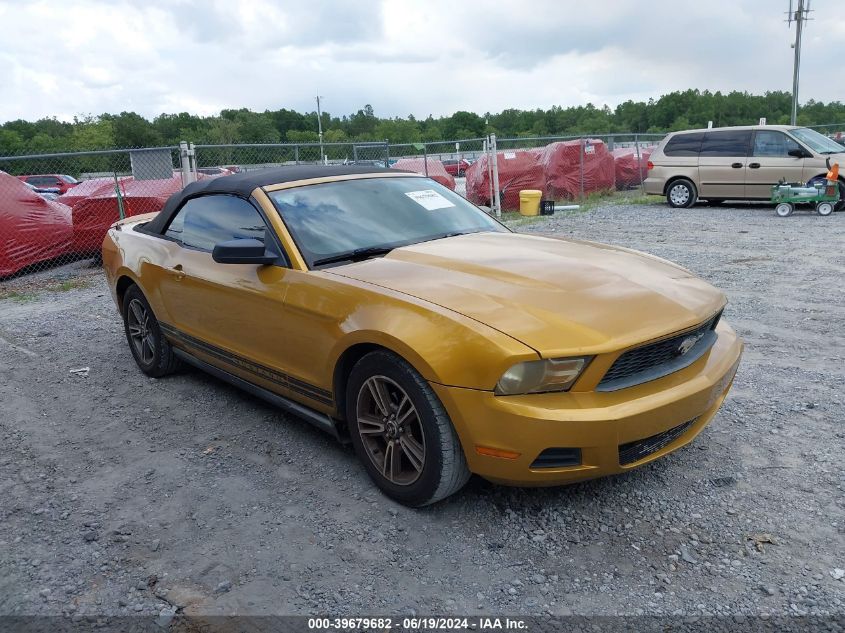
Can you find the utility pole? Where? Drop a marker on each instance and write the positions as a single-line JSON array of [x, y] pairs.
[[320, 127], [799, 16]]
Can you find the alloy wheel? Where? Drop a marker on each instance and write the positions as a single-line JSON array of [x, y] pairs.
[[390, 430], [140, 332]]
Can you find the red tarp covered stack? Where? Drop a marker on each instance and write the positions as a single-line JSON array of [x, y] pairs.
[[93, 216], [517, 170], [562, 168], [86, 189], [436, 170], [630, 172], [554, 169], [32, 229]]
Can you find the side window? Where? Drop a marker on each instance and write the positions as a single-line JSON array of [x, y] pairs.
[[684, 144], [772, 143], [726, 143], [203, 222]]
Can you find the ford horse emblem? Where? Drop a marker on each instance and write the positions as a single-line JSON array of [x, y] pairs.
[[688, 343]]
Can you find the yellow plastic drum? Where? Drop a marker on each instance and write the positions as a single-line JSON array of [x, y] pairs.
[[529, 201]]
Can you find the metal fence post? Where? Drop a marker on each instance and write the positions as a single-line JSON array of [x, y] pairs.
[[425, 158], [582, 149], [186, 152], [497, 202], [639, 163], [296, 154], [387, 152]]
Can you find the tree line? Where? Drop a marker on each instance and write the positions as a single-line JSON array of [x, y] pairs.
[[673, 111]]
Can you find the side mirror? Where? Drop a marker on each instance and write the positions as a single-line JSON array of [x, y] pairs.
[[799, 153], [243, 251]]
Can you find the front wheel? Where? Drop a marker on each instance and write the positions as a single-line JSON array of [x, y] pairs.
[[784, 209], [681, 194], [824, 208], [402, 433]]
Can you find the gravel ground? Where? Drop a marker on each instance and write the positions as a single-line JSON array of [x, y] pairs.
[[121, 494]]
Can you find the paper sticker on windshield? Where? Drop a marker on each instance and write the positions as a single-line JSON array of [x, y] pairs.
[[429, 199]]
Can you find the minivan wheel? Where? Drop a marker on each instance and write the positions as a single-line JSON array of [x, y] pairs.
[[681, 194], [402, 433]]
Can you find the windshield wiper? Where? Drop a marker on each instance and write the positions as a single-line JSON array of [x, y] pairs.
[[356, 255]]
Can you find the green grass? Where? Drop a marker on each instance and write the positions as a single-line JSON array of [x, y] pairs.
[[645, 199], [20, 297], [592, 201]]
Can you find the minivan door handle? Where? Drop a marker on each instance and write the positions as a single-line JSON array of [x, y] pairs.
[[737, 165], [754, 165]]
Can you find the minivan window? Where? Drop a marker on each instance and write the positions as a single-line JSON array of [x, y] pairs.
[[772, 143], [684, 144], [726, 143], [819, 143]]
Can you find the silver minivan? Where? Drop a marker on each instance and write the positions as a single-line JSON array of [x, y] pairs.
[[739, 163]]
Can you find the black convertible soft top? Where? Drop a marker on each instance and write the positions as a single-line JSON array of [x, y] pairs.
[[243, 184]]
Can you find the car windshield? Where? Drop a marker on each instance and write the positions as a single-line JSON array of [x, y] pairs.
[[69, 179], [819, 143], [344, 221]]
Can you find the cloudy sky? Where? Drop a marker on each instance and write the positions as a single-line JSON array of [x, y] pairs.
[[403, 57]]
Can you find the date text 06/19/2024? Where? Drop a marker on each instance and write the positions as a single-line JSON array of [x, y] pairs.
[[481, 623]]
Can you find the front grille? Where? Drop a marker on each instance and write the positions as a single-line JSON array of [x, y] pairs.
[[644, 363], [557, 458], [640, 449]]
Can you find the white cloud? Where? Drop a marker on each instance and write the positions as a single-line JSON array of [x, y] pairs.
[[403, 57]]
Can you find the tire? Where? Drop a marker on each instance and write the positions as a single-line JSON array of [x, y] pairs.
[[392, 410], [151, 351], [681, 194], [824, 208], [784, 209]]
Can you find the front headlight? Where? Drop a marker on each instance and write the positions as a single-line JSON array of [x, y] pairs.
[[537, 376]]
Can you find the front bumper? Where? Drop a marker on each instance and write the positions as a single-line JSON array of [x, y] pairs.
[[597, 423]]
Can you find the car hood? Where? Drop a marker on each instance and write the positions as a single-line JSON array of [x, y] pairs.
[[560, 297]]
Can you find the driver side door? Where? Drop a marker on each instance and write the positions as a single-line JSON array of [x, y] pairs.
[[770, 161], [230, 315]]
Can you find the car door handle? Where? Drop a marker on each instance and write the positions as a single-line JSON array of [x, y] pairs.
[[736, 165], [754, 165], [177, 272]]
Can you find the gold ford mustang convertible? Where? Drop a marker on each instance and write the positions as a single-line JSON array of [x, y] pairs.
[[393, 313]]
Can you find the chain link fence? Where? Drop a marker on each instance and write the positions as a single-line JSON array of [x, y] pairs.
[[56, 208]]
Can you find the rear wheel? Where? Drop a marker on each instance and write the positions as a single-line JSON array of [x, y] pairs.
[[402, 433], [150, 349], [681, 194]]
